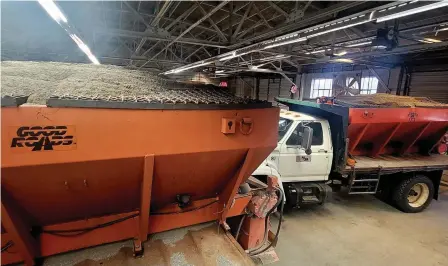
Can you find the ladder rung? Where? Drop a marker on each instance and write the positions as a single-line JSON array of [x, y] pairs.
[[364, 192], [365, 180]]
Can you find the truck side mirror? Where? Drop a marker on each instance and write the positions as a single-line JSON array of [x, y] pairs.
[[307, 139]]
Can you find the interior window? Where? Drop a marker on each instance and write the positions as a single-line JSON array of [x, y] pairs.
[[296, 136]]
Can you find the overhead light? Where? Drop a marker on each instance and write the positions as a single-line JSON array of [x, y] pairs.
[[301, 39], [379, 47], [227, 58], [338, 28], [315, 52], [430, 40], [343, 60], [57, 15], [413, 11], [359, 44], [53, 10], [219, 71], [174, 71], [232, 55], [341, 53], [84, 48]]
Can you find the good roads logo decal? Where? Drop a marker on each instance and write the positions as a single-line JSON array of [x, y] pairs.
[[43, 138]]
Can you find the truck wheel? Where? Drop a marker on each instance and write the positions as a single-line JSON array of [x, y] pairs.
[[414, 194]]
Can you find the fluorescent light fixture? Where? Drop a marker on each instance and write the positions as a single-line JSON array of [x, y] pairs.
[[430, 40], [413, 11], [227, 58], [84, 48], [219, 71], [341, 53], [186, 68], [359, 44], [338, 28], [379, 47], [343, 60], [232, 55], [315, 52], [53, 10], [57, 15], [301, 39]]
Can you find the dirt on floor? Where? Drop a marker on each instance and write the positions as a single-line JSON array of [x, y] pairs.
[[199, 245]]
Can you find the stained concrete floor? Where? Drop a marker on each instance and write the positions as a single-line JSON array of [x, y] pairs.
[[362, 230]]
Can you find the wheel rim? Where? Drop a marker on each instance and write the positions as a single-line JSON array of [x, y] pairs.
[[418, 195]]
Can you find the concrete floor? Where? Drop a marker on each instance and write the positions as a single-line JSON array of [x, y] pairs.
[[362, 230]]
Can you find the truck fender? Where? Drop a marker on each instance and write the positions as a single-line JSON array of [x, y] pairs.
[[265, 170]]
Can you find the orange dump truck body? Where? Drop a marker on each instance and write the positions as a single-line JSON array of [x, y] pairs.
[[65, 168], [377, 131]]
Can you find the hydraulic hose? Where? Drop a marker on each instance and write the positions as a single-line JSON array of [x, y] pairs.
[[239, 227], [255, 251], [278, 227]]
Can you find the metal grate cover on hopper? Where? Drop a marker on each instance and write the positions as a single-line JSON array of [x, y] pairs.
[[166, 99]]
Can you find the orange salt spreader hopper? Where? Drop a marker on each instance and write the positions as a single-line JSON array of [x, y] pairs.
[[138, 168]]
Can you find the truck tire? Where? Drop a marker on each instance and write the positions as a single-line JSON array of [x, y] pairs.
[[414, 194]]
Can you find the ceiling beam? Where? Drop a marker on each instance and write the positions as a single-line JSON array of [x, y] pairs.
[[235, 10], [145, 15], [304, 22], [182, 16], [161, 13], [278, 9], [137, 15], [211, 12], [258, 12], [238, 28], [218, 30], [149, 36], [194, 52]]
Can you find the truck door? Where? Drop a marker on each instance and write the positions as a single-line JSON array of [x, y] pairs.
[[296, 165]]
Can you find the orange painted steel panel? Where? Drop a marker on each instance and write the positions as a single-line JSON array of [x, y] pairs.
[[103, 134], [11, 255], [375, 131], [68, 164], [52, 244]]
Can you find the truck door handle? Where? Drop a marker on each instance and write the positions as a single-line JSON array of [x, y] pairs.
[[322, 150]]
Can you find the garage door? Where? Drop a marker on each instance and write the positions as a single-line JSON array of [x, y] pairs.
[[433, 85]]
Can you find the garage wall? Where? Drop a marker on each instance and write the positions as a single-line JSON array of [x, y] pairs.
[[383, 74], [270, 87], [277, 86], [429, 82], [274, 87]]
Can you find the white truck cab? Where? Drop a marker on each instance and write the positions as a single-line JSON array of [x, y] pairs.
[[292, 163]]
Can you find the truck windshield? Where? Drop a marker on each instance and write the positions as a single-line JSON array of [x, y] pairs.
[[283, 127]]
